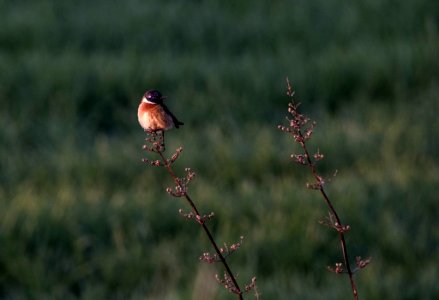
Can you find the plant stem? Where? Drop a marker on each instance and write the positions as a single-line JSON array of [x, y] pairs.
[[203, 225], [333, 212]]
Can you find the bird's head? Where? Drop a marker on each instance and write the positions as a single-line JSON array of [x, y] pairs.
[[153, 96]]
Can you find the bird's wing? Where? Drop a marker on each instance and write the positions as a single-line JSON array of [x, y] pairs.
[[174, 118]]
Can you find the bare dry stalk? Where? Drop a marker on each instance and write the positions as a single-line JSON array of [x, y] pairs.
[[301, 128], [155, 144]]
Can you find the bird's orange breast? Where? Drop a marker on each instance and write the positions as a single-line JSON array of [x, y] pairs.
[[153, 117]]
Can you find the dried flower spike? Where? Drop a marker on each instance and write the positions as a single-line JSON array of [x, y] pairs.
[[301, 128], [155, 144]]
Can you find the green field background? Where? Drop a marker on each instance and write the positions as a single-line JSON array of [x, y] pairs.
[[81, 217]]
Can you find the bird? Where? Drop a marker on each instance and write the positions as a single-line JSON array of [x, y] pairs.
[[154, 115]]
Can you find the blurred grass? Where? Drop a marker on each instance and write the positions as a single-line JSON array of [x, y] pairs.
[[82, 218]]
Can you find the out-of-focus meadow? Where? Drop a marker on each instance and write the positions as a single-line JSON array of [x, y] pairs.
[[82, 218]]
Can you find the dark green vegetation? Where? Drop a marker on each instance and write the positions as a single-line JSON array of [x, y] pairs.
[[82, 218]]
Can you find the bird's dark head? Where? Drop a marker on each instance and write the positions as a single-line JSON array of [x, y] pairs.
[[154, 96]]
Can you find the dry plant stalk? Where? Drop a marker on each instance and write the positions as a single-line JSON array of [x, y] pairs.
[[301, 128], [155, 144]]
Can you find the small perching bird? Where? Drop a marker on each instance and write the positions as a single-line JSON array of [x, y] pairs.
[[154, 115]]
